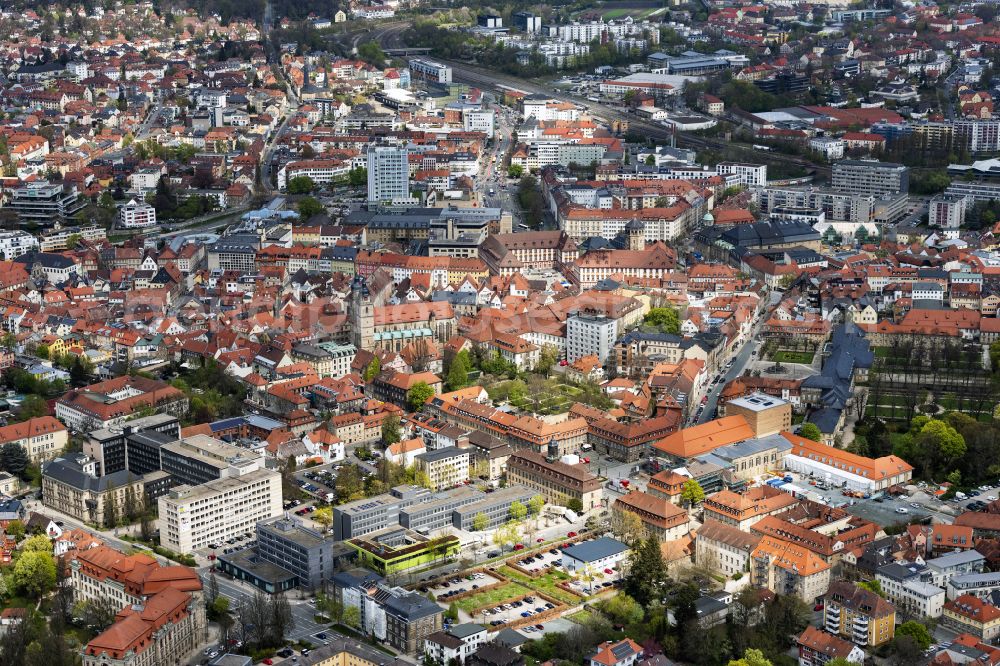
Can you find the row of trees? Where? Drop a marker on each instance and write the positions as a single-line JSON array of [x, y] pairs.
[[260, 622]]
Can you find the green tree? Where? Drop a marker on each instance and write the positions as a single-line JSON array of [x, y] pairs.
[[872, 586], [574, 504], [517, 510], [372, 53], [665, 320], [458, 373], [917, 631], [623, 609], [941, 444], [352, 617], [647, 575], [391, 431], [35, 573], [752, 657], [42, 351], [418, 394], [309, 206], [36, 543], [547, 358], [692, 493], [301, 185], [810, 431], [32, 407], [14, 459], [480, 522], [373, 369], [15, 528], [535, 505], [357, 177], [515, 171]]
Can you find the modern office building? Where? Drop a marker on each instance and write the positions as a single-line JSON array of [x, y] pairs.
[[555, 481], [135, 215], [428, 70], [375, 513], [445, 468], [199, 459], [192, 517], [289, 544], [871, 177], [388, 174], [398, 549], [109, 446], [495, 506], [765, 414], [434, 514], [44, 203], [589, 334]]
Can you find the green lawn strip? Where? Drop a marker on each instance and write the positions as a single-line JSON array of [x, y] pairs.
[[495, 596]]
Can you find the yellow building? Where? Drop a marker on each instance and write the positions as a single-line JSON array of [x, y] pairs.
[[765, 414], [968, 614], [859, 615]]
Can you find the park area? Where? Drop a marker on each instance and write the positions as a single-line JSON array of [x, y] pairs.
[[786, 356], [546, 395], [639, 10]]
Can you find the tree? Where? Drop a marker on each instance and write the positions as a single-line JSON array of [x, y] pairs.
[[97, 613], [309, 206], [301, 185], [357, 177], [692, 492], [917, 631], [349, 485], [480, 522], [872, 586], [458, 372], [391, 431], [535, 505], [623, 609], [810, 431], [647, 575], [14, 459], [752, 657], [281, 618], [666, 320], [628, 527], [517, 510], [15, 528], [323, 516], [515, 171], [574, 504], [37, 543], [905, 650], [352, 617], [418, 394], [35, 573], [372, 53], [373, 369]]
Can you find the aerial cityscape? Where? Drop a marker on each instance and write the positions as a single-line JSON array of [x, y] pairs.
[[597, 333]]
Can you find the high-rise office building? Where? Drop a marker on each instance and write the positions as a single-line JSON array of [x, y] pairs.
[[871, 177], [388, 174]]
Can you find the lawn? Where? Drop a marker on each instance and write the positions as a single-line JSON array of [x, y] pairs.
[[785, 356], [493, 597], [545, 584], [580, 617]]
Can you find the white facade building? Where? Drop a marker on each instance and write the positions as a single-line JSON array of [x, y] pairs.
[[586, 335], [15, 243], [751, 175], [135, 215], [388, 174]]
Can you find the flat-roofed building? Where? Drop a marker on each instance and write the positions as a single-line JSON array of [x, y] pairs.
[[556, 481], [445, 468], [752, 459], [495, 506], [765, 414], [192, 517]]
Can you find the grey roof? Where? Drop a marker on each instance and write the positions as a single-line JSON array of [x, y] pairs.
[[443, 454], [70, 473], [510, 638], [591, 551], [956, 559], [410, 606], [466, 629]]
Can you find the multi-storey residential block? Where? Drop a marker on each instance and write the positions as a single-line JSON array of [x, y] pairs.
[[42, 437], [870, 177], [858, 614]]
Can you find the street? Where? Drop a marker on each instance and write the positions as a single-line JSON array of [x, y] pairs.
[[740, 363]]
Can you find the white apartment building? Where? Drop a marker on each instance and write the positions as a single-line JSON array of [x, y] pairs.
[[948, 212], [586, 335], [43, 437], [193, 517], [388, 173], [928, 291], [15, 243], [135, 215], [751, 175], [829, 147], [479, 121], [320, 171], [903, 586], [429, 70]]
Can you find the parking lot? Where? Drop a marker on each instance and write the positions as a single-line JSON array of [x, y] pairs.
[[447, 589], [513, 611], [537, 562]]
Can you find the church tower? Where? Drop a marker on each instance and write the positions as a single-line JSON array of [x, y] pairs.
[[634, 237], [362, 313]]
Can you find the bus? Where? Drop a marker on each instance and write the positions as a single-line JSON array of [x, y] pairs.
[[759, 147]]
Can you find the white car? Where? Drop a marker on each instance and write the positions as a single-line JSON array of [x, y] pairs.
[[902, 509], [991, 498]]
